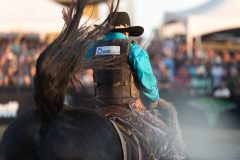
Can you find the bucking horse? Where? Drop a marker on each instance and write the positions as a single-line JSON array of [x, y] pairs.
[[55, 131]]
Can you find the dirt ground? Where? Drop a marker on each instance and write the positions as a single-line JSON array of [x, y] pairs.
[[212, 144]]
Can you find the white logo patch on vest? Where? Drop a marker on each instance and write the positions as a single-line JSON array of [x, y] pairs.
[[108, 50]]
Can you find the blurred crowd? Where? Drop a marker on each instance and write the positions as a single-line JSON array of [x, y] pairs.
[[206, 72], [17, 61]]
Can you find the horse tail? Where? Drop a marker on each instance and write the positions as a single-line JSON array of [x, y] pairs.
[[63, 58]]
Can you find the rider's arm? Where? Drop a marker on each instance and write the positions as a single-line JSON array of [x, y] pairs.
[[141, 65]]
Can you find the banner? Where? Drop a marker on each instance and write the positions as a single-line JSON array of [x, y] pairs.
[[15, 102]]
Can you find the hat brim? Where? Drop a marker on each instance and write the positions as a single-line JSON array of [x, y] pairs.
[[133, 31]]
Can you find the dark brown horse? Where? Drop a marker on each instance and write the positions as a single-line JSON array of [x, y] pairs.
[[56, 131]]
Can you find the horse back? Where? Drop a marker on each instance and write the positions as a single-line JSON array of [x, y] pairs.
[[21, 138], [81, 134]]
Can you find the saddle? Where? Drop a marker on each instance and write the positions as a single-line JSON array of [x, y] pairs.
[[138, 127]]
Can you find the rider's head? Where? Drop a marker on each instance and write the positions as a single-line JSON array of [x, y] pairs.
[[121, 23]]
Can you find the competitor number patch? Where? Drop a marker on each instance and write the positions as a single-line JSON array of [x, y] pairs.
[[108, 50]]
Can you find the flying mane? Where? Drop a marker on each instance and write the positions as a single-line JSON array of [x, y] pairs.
[[59, 62]]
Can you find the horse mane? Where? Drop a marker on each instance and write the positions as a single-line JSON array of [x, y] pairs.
[[63, 58]]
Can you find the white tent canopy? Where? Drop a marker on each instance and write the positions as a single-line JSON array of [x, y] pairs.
[[215, 15], [31, 16]]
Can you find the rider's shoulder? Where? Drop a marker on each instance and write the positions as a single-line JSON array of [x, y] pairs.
[[135, 46]]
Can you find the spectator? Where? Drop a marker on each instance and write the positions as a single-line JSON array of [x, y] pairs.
[[1, 78], [182, 78], [169, 63], [165, 80], [222, 91], [200, 85], [15, 46], [233, 82], [217, 72], [156, 61], [192, 68], [17, 61]]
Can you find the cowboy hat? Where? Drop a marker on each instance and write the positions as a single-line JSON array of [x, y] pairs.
[[120, 22]]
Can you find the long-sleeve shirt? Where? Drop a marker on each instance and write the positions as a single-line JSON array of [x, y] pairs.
[[140, 63]]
